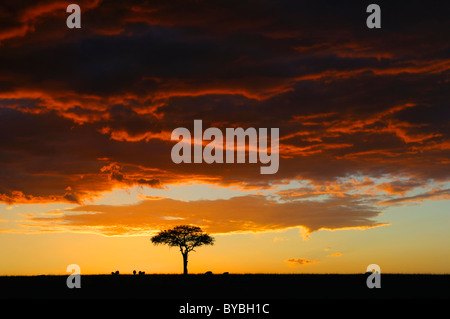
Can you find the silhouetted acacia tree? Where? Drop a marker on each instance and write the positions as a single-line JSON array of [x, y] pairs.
[[185, 237]]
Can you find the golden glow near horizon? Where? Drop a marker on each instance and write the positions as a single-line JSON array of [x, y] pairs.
[[397, 246]]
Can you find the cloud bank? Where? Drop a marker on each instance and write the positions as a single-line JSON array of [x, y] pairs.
[[86, 111]]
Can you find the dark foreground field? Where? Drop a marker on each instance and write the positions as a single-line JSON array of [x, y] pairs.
[[256, 287]]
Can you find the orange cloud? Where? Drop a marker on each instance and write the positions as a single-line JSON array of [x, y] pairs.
[[300, 261], [30, 16], [414, 67], [15, 32], [399, 187], [238, 214], [122, 135]]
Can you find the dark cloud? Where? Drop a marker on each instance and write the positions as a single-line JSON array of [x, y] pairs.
[[44, 154], [441, 194], [348, 100]]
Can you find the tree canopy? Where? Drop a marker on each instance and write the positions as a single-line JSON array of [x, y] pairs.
[[186, 237]]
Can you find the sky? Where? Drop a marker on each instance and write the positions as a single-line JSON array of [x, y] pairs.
[[86, 117]]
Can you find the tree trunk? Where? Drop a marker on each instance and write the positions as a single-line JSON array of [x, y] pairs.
[[185, 261]]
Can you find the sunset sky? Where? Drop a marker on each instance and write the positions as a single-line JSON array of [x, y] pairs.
[[86, 117]]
